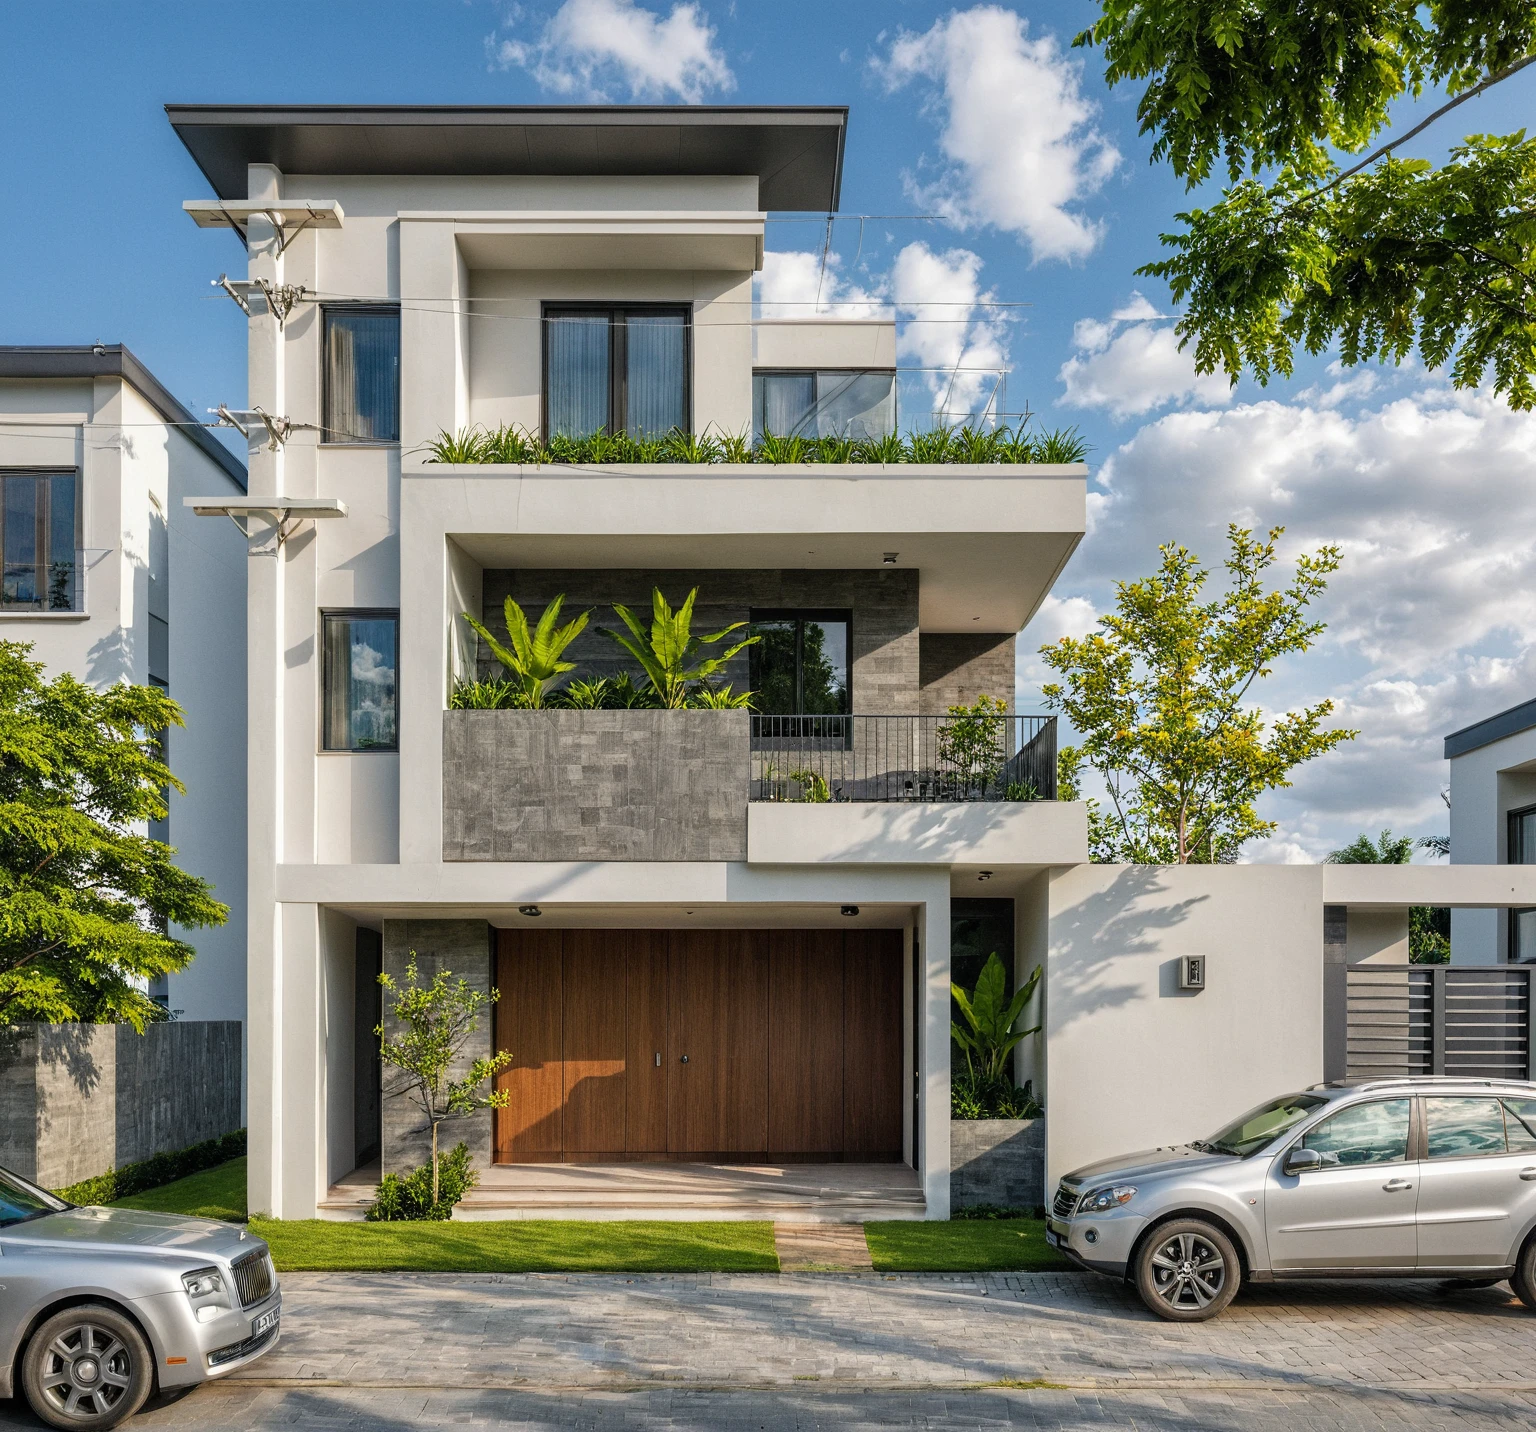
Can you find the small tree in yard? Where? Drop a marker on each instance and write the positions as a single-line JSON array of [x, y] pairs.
[[86, 900], [1160, 698], [435, 1024]]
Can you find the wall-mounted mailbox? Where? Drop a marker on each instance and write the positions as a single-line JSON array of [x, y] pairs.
[[1192, 972]]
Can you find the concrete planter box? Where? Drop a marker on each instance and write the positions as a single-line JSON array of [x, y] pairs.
[[595, 785], [997, 1161], [78, 1100]]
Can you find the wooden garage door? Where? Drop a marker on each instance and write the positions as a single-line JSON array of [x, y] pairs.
[[712, 1045]]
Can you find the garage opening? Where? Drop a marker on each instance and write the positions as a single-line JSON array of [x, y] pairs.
[[708, 1046]]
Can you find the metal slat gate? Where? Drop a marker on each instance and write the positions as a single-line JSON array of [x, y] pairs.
[[1472, 1020]]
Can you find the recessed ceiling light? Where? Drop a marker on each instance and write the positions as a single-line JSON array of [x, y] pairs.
[[985, 875], [890, 558], [531, 910], [850, 909]]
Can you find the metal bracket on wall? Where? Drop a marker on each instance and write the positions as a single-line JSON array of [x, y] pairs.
[[244, 419], [280, 298], [283, 516]]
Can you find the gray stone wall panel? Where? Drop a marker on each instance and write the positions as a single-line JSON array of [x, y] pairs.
[[954, 668], [1000, 1162]]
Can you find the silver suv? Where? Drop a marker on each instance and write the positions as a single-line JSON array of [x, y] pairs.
[[1400, 1178], [98, 1306]]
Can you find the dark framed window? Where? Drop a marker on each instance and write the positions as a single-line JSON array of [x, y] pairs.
[[824, 402], [1522, 851], [362, 651], [801, 664], [39, 527], [362, 373], [617, 369]]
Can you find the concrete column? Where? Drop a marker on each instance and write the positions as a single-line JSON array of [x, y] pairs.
[[1335, 992], [933, 1113]]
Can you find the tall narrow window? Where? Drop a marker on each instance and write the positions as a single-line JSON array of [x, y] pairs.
[[362, 374], [1522, 851], [38, 525], [800, 665], [361, 651], [616, 370]]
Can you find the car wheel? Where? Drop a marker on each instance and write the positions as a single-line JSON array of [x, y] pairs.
[[1187, 1271], [86, 1367], [1524, 1280]]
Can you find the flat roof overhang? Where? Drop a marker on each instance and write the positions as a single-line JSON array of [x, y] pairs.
[[988, 547], [795, 151]]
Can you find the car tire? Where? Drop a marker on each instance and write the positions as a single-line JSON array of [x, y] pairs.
[[1524, 1279], [1187, 1270], [87, 1367]]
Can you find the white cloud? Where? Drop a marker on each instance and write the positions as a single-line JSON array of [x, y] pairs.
[[797, 283], [588, 46], [1016, 130], [1432, 618], [1131, 363]]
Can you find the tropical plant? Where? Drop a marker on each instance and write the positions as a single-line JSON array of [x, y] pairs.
[[988, 1036], [886, 450], [670, 654], [486, 696], [624, 695], [779, 448], [86, 899], [1021, 791], [533, 659], [1162, 696], [466, 446], [583, 695], [971, 742], [721, 698], [1429, 926], [816, 790], [1061, 445], [971, 1098], [433, 1025], [409, 1197]]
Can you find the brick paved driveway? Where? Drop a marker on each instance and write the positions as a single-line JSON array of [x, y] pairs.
[[399, 1351]]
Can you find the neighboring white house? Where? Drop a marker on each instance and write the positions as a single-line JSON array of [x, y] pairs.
[[1493, 822], [111, 578], [697, 965]]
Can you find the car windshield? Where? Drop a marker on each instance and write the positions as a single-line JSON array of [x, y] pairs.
[[1260, 1126], [20, 1200]]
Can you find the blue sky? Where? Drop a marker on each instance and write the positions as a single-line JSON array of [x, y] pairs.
[[980, 115]]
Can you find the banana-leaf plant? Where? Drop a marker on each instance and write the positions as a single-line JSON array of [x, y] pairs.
[[533, 661], [988, 1036], [670, 654]]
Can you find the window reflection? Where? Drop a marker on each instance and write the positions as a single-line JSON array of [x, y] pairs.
[[360, 673]]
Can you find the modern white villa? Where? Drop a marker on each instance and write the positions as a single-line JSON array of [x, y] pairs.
[[110, 577], [723, 939]]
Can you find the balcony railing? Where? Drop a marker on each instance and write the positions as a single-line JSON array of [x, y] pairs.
[[903, 758]]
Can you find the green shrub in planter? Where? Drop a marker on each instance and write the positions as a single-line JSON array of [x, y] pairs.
[[409, 1199], [979, 1098]]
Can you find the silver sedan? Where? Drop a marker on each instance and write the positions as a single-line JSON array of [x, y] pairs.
[[101, 1306]]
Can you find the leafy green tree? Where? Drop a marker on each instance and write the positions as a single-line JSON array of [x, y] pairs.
[[1429, 926], [670, 654], [533, 660], [86, 900], [1160, 696], [1381, 256], [435, 1023]]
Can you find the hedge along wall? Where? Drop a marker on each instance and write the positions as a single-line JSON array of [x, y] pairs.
[[79, 1100]]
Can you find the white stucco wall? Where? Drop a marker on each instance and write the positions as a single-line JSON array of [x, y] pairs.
[[823, 343], [1486, 784]]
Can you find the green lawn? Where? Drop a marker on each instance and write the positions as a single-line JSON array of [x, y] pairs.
[[520, 1246], [1004, 1245], [215, 1193]]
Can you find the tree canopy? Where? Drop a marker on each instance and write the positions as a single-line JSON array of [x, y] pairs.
[[1429, 926], [1160, 698], [86, 899], [1384, 256]]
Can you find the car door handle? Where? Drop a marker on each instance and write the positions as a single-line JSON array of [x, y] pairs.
[[1528, 1174], [1396, 1185]]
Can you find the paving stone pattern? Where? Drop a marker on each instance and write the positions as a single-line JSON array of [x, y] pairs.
[[396, 1351]]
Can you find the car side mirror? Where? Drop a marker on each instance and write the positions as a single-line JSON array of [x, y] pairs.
[[1303, 1161]]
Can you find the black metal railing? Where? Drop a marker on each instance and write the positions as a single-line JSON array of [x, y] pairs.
[[903, 758]]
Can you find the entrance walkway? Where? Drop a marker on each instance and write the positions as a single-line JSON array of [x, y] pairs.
[[822, 1248]]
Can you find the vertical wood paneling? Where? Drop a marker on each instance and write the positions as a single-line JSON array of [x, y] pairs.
[[644, 953], [873, 1086], [805, 1042], [594, 1052], [528, 1026]]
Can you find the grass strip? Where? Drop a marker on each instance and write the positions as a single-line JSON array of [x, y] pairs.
[[154, 1172], [549, 1245], [214, 1193], [1002, 1245]]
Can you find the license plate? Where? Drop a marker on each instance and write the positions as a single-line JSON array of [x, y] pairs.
[[1054, 1239], [264, 1322]]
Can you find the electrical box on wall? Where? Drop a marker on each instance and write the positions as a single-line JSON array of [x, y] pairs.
[[1192, 972]]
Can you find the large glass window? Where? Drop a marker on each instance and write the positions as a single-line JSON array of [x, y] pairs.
[[1522, 851], [616, 370], [799, 667], [1373, 1133], [361, 659], [37, 536], [362, 374], [1262, 1126], [824, 403]]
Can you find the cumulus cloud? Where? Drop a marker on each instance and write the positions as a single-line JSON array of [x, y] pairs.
[[1131, 363], [1432, 618], [1019, 143], [589, 47], [797, 283]]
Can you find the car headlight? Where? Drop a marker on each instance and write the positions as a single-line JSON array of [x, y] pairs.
[[203, 1283], [1101, 1200]]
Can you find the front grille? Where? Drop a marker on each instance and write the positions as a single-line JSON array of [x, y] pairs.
[[1066, 1201], [241, 1349], [253, 1277]]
